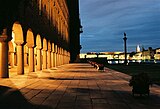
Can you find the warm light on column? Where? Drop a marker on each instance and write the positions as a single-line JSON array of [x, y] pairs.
[[39, 54], [4, 56], [44, 53]]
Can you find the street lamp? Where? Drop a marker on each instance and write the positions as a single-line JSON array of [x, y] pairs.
[[125, 48]]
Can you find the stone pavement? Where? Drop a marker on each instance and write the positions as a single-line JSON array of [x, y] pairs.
[[73, 86]]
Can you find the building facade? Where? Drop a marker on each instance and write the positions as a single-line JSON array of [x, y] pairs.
[[74, 33], [37, 33], [157, 54], [145, 56]]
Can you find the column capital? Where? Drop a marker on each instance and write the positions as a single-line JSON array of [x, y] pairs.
[[49, 50], [44, 49], [38, 48], [30, 46], [11, 51], [3, 38], [19, 43]]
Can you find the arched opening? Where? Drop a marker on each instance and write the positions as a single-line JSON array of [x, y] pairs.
[[30, 45], [38, 42], [30, 38], [15, 48], [17, 34]]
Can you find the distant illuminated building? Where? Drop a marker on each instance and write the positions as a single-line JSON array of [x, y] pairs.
[[148, 55], [157, 54], [138, 48]]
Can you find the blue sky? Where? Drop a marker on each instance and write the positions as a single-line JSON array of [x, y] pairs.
[[105, 21]]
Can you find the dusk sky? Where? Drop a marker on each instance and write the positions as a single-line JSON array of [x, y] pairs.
[[105, 21]]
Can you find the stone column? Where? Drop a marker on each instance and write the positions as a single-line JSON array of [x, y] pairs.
[[49, 55], [65, 57], [39, 52], [31, 59], [44, 59], [20, 59], [39, 61], [30, 45], [55, 59], [35, 56], [49, 59], [25, 59], [68, 55], [55, 56], [4, 56], [62, 56], [52, 56], [44, 53], [12, 59], [52, 59], [25, 55], [60, 59]]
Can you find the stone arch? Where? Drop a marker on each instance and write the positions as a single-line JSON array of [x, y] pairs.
[[19, 40], [44, 44], [30, 44], [30, 38], [38, 42], [18, 32], [53, 49]]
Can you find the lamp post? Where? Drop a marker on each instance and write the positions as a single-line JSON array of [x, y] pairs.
[[125, 48]]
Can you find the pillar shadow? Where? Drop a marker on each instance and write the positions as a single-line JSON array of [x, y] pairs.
[[120, 96], [13, 99]]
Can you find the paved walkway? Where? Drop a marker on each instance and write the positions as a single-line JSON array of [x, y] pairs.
[[73, 86]]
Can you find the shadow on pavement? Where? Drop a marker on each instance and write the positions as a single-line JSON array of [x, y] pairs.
[[54, 78], [119, 96], [13, 99]]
